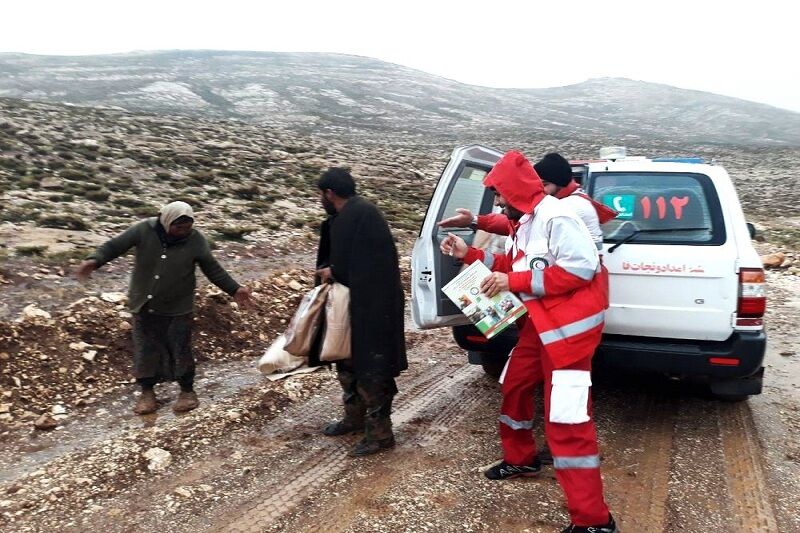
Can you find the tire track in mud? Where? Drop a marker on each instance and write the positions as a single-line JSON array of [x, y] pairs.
[[326, 459], [314, 412], [431, 426], [744, 469], [642, 486]]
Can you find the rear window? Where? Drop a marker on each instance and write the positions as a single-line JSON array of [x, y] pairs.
[[668, 208]]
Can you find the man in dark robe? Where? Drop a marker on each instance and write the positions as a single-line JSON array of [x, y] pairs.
[[357, 250]]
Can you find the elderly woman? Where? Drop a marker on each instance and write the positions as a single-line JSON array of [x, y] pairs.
[[161, 297]]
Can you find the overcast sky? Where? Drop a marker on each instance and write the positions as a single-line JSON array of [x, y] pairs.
[[748, 50]]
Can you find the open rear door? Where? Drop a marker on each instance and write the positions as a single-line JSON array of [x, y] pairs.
[[461, 185]]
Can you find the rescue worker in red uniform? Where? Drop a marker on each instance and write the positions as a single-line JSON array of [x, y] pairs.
[[552, 264], [556, 175]]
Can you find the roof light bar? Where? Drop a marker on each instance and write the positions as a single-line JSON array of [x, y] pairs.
[[694, 160]]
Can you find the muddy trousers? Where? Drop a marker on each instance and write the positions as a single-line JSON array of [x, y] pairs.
[[574, 447], [163, 349], [367, 402], [185, 381]]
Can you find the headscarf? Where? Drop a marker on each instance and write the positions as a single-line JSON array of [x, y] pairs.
[[173, 211]]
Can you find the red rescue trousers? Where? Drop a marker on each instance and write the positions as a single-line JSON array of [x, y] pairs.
[[574, 447]]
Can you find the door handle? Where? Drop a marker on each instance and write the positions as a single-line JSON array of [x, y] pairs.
[[425, 276]]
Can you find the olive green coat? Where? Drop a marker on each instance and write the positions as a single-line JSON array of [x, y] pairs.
[[164, 274]]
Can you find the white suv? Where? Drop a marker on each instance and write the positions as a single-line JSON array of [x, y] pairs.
[[687, 287]]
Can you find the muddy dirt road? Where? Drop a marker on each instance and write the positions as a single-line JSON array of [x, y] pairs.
[[252, 457]]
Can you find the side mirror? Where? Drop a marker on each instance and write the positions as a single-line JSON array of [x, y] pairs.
[[751, 229]]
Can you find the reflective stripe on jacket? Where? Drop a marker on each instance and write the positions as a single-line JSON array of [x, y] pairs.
[[554, 267]]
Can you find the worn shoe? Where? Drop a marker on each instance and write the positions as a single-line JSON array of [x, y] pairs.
[[342, 427], [146, 403], [507, 471], [368, 447], [610, 527], [186, 402]]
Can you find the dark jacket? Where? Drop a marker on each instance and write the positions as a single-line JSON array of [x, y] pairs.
[[164, 273], [358, 246]]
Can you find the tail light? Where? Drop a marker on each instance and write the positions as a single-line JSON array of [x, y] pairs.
[[723, 361], [752, 297]]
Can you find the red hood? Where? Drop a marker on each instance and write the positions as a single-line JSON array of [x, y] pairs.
[[514, 178]]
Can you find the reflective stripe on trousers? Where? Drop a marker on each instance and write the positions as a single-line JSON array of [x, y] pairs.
[[574, 446], [516, 424], [580, 461]]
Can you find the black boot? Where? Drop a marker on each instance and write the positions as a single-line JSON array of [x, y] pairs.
[[342, 427], [370, 446], [378, 430], [609, 527], [508, 471], [353, 420], [354, 408]]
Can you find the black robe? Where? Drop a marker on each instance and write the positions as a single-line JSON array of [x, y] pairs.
[[358, 247]]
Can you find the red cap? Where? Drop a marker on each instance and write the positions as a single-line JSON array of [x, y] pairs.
[[514, 178]]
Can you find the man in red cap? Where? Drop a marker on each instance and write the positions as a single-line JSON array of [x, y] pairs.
[[552, 264]]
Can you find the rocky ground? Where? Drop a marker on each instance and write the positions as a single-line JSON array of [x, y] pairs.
[[251, 458]]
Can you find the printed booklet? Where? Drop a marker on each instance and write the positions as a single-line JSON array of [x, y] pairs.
[[490, 315]]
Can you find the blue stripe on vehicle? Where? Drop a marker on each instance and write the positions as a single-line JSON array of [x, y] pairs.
[[580, 461], [572, 329], [516, 424]]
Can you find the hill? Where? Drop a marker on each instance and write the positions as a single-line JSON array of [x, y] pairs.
[[351, 96]]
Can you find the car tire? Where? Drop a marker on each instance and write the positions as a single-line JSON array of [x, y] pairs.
[[494, 367]]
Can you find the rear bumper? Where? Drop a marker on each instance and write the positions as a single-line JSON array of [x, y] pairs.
[[682, 358], [478, 346], [739, 356]]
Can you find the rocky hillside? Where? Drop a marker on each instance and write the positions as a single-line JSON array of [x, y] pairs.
[[83, 169], [347, 95], [76, 168]]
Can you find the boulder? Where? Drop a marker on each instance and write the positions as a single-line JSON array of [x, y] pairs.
[[113, 297], [34, 314], [773, 260], [159, 459], [45, 422]]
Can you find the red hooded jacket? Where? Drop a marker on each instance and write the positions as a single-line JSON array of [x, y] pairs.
[[565, 304]]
